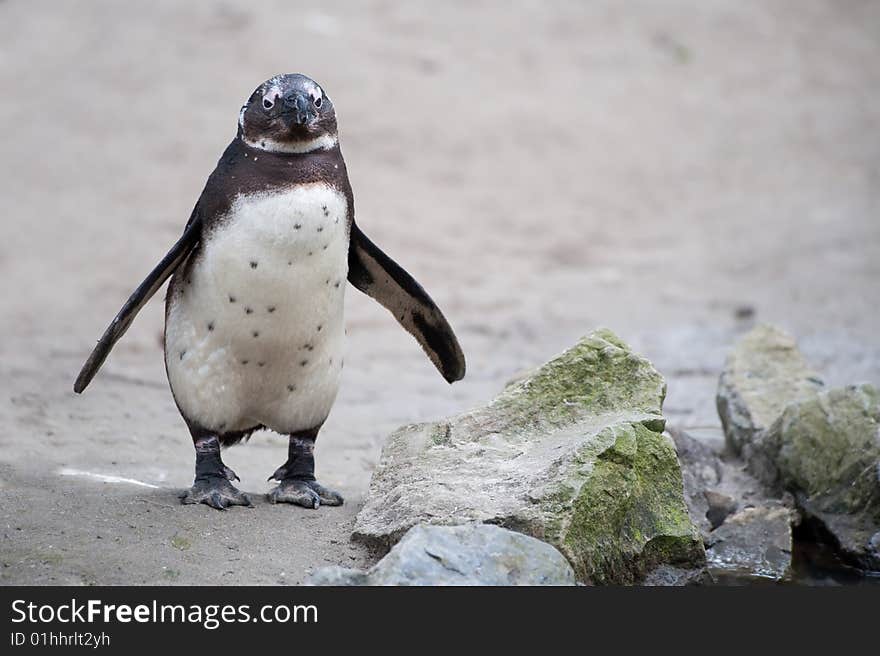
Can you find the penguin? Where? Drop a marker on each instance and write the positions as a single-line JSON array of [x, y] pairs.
[[254, 320]]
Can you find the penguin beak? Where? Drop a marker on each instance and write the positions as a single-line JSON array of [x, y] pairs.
[[299, 108]]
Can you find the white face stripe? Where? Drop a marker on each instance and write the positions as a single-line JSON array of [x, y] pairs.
[[271, 94], [272, 90], [324, 142]]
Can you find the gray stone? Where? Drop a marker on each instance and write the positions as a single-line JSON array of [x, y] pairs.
[[750, 546], [474, 554], [671, 576], [826, 451], [720, 506], [573, 454], [701, 470], [820, 445], [335, 575], [754, 545], [763, 374]]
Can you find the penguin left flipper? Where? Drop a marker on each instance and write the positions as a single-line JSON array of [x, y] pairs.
[[151, 284], [377, 275]]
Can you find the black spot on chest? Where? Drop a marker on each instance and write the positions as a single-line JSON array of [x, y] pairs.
[[244, 171]]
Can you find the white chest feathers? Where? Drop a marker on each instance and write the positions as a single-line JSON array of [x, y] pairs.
[[255, 332]]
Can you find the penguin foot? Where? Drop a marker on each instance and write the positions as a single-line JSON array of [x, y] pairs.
[[309, 494], [216, 491]]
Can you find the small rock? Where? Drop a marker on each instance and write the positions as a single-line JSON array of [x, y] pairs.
[[180, 542], [740, 552], [701, 469], [338, 576], [753, 545], [668, 575], [763, 374], [719, 507], [474, 554], [743, 312]]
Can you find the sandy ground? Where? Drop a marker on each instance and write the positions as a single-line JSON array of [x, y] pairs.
[[542, 168]]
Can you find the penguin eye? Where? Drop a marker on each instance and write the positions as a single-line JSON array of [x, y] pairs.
[[268, 103], [318, 102]]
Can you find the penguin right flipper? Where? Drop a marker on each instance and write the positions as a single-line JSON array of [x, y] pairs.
[[378, 276], [138, 299]]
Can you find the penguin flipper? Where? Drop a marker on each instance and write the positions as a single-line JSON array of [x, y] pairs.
[[137, 300], [378, 276]]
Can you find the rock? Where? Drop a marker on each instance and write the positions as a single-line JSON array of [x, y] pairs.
[[743, 312], [763, 374], [336, 576], [701, 470], [572, 454], [669, 576], [473, 554], [751, 546], [720, 506], [820, 445], [826, 451]]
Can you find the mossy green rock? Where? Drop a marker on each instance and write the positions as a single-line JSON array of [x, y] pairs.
[[827, 452], [572, 454], [763, 374]]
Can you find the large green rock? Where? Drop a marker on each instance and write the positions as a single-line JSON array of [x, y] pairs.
[[763, 374], [573, 454], [826, 451]]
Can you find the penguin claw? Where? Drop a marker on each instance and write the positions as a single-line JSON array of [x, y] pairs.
[[230, 475], [216, 501], [217, 492], [328, 497], [308, 494], [279, 473]]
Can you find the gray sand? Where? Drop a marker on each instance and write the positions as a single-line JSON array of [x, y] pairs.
[[652, 167]]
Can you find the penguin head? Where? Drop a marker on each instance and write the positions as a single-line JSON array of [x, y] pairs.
[[288, 113]]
